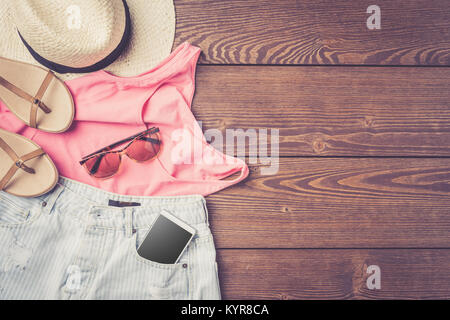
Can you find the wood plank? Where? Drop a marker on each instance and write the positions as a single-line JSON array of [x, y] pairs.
[[333, 274], [332, 111], [337, 203], [413, 32]]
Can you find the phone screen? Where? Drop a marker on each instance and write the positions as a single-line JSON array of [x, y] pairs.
[[165, 241]]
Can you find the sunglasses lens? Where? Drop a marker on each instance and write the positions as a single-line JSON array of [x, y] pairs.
[[145, 148], [103, 166]]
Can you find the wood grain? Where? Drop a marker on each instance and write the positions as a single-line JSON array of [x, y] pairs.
[[329, 110], [413, 32], [333, 274], [361, 180], [337, 203]]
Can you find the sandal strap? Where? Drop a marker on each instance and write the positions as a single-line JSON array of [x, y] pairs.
[[37, 103], [18, 162], [36, 100], [9, 151]]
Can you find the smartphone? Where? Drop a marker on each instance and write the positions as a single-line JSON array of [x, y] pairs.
[[166, 240]]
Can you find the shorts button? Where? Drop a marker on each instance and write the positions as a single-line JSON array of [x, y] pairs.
[[185, 265], [44, 204]]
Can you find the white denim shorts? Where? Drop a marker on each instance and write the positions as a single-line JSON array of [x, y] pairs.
[[71, 244]]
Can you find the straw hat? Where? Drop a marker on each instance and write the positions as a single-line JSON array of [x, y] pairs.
[[82, 36]]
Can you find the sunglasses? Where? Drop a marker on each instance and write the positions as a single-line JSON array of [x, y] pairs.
[[105, 163]]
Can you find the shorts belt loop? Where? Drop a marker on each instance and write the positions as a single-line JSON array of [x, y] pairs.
[[205, 211], [48, 204], [129, 223]]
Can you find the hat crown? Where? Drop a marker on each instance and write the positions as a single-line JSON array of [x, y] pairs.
[[83, 31]]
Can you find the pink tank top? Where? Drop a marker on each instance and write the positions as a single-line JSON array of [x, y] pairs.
[[111, 108]]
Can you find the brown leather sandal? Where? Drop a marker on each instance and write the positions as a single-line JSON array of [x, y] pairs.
[[25, 169], [36, 96]]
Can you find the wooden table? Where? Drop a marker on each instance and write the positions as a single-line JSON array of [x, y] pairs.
[[364, 123]]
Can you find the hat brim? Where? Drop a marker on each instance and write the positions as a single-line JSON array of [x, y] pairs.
[[151, 38]]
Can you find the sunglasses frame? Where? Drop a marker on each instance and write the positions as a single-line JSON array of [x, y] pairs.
[[132, 139]]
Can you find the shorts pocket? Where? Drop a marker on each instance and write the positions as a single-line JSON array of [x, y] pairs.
[[161, 281], [138, 238], [203, 234], [11, 213]]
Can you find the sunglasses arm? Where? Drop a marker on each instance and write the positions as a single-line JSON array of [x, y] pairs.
[[151, 130]]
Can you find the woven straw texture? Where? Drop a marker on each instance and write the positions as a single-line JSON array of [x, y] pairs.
[[101, 29]]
